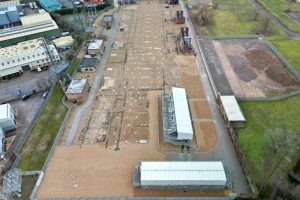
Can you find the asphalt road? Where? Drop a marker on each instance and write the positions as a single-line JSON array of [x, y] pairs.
[[224, 149], [274, 20], [98, 77]]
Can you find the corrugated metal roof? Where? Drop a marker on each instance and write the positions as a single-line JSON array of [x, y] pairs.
[[232, 108], [4, 19], [183, 119], [183, 173], [177, 165], [31, 24]]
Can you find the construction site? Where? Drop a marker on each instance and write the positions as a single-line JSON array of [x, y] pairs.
[[246, 67], [151, 53]]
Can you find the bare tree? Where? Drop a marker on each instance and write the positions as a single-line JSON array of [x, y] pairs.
[[282, 140], [266, 24], [204, 14], [256, 14]]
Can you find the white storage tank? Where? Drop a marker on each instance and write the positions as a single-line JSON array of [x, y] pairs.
[[7, 117]]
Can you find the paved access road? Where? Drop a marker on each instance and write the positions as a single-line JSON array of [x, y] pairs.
[[97, 80], [290, 33], [224, 149]]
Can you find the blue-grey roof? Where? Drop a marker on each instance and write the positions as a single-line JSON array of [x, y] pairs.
[[13, 16], [4, 19], [9, 15]]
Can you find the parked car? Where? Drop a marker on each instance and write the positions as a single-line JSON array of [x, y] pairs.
[[45, 94], [25, 97]]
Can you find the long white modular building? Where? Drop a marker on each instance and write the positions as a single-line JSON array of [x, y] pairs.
[[178, 174], [182, 114]]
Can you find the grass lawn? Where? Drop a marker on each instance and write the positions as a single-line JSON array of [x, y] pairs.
[[263, 118], [28, 183], [277, 8], [73, 67], [39, 142]]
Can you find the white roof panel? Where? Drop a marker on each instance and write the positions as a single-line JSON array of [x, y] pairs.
[[183, 173], [232, 108], [182, 113]]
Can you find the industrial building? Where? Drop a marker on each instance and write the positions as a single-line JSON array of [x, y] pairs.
[[9, 17], [25, 56], [181, 175], [77, 90], [88, 64], [33, 26], [50, 5], [63, 42], [7, 117], [231, 111], [177, 126], [95, 47]]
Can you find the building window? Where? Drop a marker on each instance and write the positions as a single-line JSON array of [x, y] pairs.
[[8, 63]]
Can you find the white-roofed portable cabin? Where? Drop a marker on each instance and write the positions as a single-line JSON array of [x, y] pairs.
[[176, 119], [182, 175], [231, 111]]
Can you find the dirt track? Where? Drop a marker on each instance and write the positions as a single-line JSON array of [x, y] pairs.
[[247, 68]]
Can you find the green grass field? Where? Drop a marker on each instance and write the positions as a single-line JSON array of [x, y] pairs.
[[73, 67], [39, 142], [277, 8], [263, 118], [28, 183]]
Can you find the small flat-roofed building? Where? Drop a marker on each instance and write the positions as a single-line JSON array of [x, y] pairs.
[[63, 42], [25, 56], [7, 117], [181, 175], [95, 47], [33, 26], [77, 90], [107, 21], [232, 111], [177, 125], [88, 64]]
